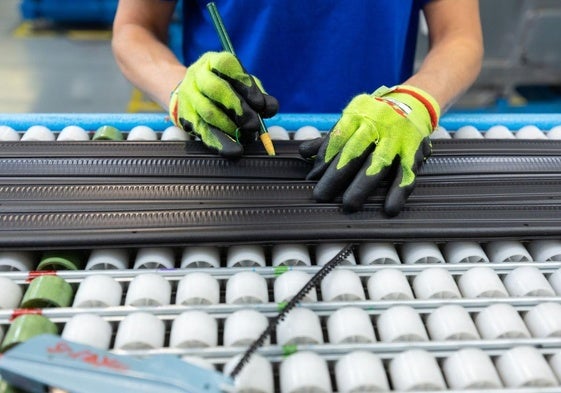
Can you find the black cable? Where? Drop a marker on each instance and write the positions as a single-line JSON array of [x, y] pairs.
[[314, 281]]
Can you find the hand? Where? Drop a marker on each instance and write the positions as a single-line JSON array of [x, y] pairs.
[[375, 132], [219, 102]]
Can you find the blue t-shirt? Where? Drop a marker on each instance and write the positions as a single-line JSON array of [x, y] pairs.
[[312, 55]]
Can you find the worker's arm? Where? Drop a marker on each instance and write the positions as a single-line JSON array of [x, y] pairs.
[[140, 34], [214, 98], [456, 50], [386, 133]]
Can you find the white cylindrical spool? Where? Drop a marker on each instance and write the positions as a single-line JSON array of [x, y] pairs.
[[350, 325], [278, 133], [291, 255], [140, 330], [193, 329], [527, 281], [342, 285], [243, 327], [8, 134], [545, 250], [501, 321], [389, 284], [469, 252], [142, 133], [290, 283], [378, 254], [246, 256], [481, 282], [467, 132], [470, 368], [197, 288], [555, 281], [451, 322], [414, 370], [255, 377], [154, 258], [435, 283], [499, 132], [73, 133], [401, 323], [173, 133], [525, 367], [544, 320], [246, 288], [530, 132], [148, 289], [327, 251], [18, 261], [421, 252], [360, 371], [555, 362], [300, 326], [507, 251], [554, 133], [38, 133], [200, 256], [98, 291], [10, 294], [306, 133], [440, 133], [104, 259], [304, 372], [88, 329]]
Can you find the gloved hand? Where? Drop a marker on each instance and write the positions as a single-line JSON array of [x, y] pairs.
[[219, 101], [390, 126]]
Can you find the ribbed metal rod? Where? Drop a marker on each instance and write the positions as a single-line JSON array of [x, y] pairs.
[[322, 309], [223, 273]]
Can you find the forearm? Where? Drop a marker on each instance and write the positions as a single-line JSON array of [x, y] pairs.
[[449, 70], [456, 50], [147, 62]]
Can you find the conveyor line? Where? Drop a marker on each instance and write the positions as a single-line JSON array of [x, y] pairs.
[[79, 228], [322, 309], [363, 271], [83, 195]]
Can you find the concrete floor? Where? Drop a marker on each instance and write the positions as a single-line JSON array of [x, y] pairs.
[[56, 72]]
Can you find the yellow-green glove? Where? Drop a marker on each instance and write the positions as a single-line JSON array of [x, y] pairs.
[[376, 132], [219, 101]]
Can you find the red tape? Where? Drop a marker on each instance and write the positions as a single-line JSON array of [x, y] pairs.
[[25, 311], [38, 273], [430, 108]]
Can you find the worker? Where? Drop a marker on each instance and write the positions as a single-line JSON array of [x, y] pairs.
[[315, 56]]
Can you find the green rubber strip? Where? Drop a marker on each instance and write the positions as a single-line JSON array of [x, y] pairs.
[[47, 291], [108, 133], [288, 350], [280, 270], [25, 327], [61, 260]]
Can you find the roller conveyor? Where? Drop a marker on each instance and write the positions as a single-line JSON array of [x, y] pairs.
[[468, 275]]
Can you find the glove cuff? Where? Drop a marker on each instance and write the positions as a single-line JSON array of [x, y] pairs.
[[419, 95], [174, 108]]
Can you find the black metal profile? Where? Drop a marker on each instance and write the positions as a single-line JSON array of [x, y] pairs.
[[59, 195]]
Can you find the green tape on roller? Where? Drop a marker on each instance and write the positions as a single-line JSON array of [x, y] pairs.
[[108, 133], [25, 327], [5, 388], [61, 260], [47, 291]]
